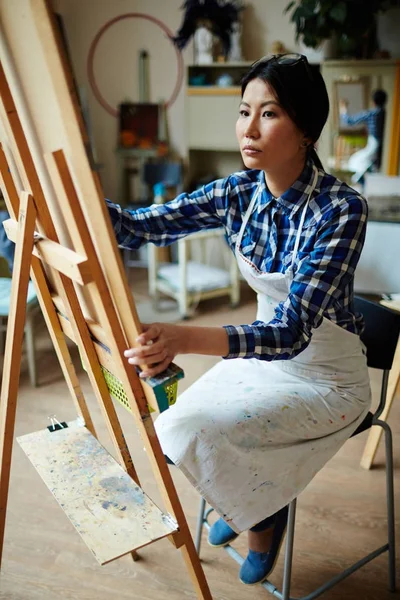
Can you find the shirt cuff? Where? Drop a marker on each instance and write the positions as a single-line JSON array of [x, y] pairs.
[[241, 341]]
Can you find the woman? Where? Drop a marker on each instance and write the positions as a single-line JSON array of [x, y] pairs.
[[253, 431]]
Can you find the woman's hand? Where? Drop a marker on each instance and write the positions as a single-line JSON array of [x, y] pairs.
[[343, 106], [159, 344]]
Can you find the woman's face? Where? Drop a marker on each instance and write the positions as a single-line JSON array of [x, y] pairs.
[[269, 140]]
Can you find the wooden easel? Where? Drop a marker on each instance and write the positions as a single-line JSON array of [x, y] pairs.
[[83, 295]]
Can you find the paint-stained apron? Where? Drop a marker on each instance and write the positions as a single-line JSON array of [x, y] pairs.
[[251, 434]]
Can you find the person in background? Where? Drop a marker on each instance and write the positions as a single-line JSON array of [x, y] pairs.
[[293, 385], [369, 157]]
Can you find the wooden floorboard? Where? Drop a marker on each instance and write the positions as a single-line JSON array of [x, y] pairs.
[[341, 515]]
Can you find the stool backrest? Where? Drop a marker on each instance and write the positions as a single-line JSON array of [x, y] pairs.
[[381, 333]]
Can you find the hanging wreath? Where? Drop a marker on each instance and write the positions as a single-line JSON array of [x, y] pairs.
[[93, 46]]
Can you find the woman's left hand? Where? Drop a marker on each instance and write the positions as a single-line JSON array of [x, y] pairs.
[[159, 344]]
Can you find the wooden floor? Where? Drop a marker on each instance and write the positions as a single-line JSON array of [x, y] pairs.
[[341, 515]]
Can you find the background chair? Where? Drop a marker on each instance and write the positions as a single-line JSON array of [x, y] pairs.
[[380, 336], [191, 279], [31, 308]]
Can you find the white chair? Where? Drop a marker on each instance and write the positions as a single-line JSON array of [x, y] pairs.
[[191, 281], [31, 308]]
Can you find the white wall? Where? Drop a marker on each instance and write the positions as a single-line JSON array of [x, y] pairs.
[[116, 59]]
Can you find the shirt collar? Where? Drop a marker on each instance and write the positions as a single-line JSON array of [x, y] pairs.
[[295, 197]]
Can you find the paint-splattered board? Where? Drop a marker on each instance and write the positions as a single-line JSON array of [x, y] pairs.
[[110, 512]]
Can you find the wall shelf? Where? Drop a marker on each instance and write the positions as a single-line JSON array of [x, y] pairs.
[[212, 90], [224, 65]]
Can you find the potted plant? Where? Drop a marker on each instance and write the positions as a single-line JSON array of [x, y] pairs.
[[351, 22], [217, 17]]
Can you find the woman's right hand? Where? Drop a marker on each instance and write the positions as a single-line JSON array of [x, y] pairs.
[[159, 344], [343, 105]]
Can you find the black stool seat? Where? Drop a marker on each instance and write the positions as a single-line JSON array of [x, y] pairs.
[[366, 424]]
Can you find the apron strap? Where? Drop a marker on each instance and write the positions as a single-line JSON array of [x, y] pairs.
[[303, 216], [247, 215]]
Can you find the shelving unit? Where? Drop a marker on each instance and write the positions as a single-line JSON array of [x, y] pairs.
[[213, 90], [211, 112], [212, 109], [213, 71]]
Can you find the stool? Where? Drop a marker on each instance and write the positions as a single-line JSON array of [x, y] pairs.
[[31, 306], [380, 336]]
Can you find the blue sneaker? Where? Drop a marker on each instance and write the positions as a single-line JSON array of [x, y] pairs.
[[258, 565], [221, 534]]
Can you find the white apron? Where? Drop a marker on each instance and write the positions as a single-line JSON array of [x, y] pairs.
[[251, 434], [363, 159]]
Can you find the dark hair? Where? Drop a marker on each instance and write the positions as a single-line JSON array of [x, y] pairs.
[[379, 97], [300, 91]]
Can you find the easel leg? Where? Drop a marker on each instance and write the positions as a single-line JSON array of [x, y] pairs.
[[375, 433], [13, 351], [195, 568]]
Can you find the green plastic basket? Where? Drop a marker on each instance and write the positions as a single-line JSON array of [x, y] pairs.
[[166, 390], [165, 386]]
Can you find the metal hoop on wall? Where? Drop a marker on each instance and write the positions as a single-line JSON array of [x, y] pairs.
[[90, 61]]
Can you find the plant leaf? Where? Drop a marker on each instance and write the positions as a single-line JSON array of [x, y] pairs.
[[289, 6], [339, 12], [310, 41], [297, 17]]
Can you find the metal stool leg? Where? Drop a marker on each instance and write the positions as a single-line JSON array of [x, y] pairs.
[[287, 569], [390, 503], [200, 522]]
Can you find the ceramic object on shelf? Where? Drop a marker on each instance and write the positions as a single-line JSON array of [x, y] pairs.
[[225, 80], [203, 44]]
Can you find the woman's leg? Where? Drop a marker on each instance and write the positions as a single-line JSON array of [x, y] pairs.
[[221, 534], [260, 536], [264, 541]]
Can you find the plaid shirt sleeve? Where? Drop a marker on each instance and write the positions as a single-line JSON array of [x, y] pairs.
[[320, 279], [360, 117], [163, 224]]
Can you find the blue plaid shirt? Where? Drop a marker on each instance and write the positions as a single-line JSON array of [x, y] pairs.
[[330, 245], [374, 119]]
